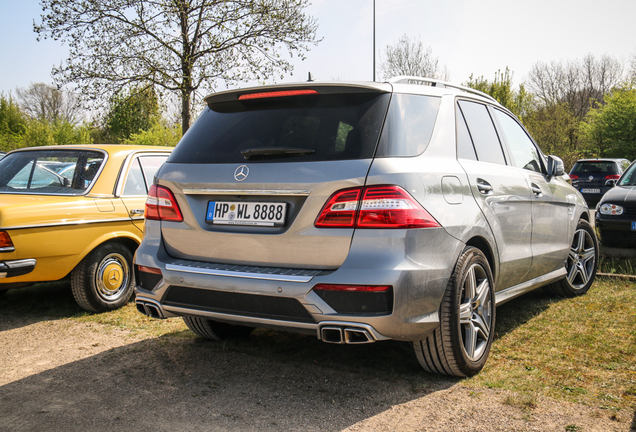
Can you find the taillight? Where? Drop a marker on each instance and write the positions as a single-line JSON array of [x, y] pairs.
[[5, 241], [612, 177], [161, 205], [374, 207], [574, 177], [340, 210]]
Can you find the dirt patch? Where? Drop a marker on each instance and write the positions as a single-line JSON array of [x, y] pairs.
[[60, 374]]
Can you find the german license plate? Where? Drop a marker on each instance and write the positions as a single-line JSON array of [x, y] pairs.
[[590, 191], [246, 213]]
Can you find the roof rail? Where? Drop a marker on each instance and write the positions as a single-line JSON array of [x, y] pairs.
[[404, 79]]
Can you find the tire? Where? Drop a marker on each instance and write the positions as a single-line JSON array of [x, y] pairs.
[[104, 279], [461, 344], [216, 330], [581, 264]]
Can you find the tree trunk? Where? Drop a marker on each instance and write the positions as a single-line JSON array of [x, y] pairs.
[[186, 116]]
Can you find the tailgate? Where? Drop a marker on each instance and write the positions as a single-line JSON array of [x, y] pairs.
[[297, 190]]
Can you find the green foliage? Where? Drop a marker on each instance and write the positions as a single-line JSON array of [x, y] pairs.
[[42, 133], [555, 129], [17, 130], [518, 101], [12, 120], [131, 111], [159, 134], [610, 130]]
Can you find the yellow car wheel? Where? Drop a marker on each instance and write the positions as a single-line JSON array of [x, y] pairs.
[[104, 280]]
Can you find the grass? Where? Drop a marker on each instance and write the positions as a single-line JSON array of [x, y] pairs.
[[616, 266], [581, 350]]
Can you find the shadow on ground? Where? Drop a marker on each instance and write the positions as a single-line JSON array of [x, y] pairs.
[[40, 302], [268, 381]]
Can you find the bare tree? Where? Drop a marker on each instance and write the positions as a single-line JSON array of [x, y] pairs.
[[579, 83], [180, 46], [410, 57], [45, 102], [632, 68]]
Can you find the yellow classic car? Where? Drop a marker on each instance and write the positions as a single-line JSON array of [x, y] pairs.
[[78, 211]]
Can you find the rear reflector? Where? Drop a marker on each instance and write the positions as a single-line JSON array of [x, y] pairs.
[[275, 94], [5, 240], [162, 205], [378, 207], [152, 270], [365, 288]]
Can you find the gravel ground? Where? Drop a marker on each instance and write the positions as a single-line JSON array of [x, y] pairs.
[[63, 375]]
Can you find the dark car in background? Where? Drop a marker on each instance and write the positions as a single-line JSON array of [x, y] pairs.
[[2, 154], [589, 176], [616, 212]]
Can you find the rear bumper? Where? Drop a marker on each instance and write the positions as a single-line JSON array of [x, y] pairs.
[[9, 269], [416, 264]]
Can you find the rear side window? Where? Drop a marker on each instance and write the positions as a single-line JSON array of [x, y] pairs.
[[141, 174], [56, 172], [482, 132], [317, 127], [409, 125]]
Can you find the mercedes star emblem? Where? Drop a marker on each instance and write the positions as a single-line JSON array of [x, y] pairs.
[[241, 173]]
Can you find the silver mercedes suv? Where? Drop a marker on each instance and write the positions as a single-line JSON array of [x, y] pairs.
[[360, 212]]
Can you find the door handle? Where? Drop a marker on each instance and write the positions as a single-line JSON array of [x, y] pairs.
[[484, 187], [136, 212], [536, 190]]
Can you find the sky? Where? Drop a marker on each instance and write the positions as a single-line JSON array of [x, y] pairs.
[[477, 37]]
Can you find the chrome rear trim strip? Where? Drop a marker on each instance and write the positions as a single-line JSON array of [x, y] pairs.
[[273, 276], [245, 192]]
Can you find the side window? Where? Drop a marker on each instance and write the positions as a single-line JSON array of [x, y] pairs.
[[465, 148], [141, 174], [483, 133], [408, 126], [135, 184], [150, 165], [524, 153]]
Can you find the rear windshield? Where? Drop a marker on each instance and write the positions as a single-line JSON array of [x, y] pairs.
[[318, 127], [57, 172], [595, 167]]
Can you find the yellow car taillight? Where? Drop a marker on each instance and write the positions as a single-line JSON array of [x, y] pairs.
[[5, 241]]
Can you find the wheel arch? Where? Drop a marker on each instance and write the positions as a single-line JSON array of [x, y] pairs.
[[483, 245], [129, 240]]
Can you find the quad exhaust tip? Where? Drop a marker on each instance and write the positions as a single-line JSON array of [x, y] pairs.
[[149, 309], [345, 335]]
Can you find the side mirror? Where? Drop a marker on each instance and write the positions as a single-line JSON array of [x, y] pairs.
[[610, 183], [555, 166]]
